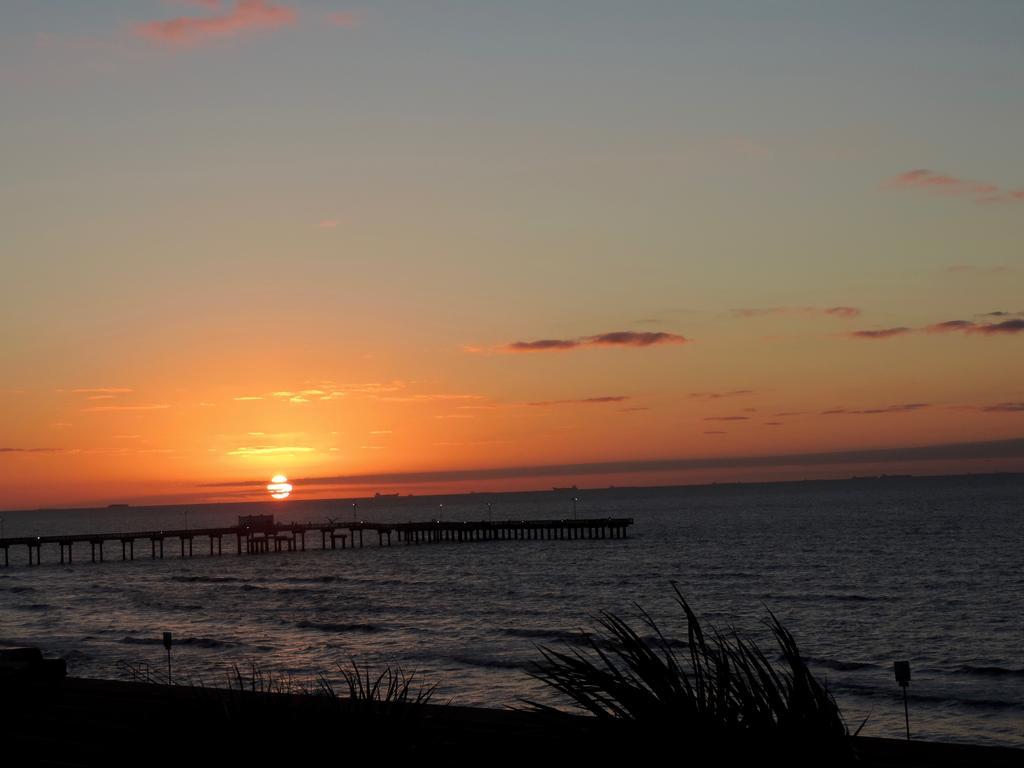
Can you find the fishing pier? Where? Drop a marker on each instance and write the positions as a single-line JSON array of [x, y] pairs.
[[261, 534]]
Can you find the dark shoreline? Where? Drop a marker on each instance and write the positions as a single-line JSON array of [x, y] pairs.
[[85, 722]]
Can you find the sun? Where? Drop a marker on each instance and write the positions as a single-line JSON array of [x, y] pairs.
[[279, 487]]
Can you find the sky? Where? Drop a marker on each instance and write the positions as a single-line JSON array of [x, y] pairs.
[[452, 246]]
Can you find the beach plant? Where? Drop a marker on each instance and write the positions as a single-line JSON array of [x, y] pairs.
[[389, 688], [715, 691]]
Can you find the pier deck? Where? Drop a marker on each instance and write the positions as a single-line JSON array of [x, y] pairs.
[[261, 534]]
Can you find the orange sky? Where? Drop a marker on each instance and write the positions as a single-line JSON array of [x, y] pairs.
[[383, 244]]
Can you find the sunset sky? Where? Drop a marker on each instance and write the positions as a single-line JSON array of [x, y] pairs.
[[414, 246]]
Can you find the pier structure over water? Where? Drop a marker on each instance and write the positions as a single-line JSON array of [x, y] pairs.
[[261, 534]]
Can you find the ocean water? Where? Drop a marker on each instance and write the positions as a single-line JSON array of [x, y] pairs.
[[863, 572]]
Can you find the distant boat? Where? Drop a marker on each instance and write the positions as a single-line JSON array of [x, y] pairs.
[[118, 506], [385, 495], [572, 488]]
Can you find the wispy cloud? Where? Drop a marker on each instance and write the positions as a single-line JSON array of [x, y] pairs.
[[329, 224], [603, 399], [611, 339], [952, 186], [998, 328], [999, 324], [1004, 327], [721, 395], [1004, 408], [30, 450], [843, 312], [148, 407], [102, 390], [881, 333], [243, 16], [269, 450], [726, 418], [344, 19], [899, 408], [949, 326]]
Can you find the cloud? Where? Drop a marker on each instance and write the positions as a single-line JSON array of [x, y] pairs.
[[1012, 448], [30, 450], [244, 16], [900, 408], [844, 312], [944, 184], [101, 408], [248, 397], [1003, 408], [721, 395], [344, 19], [102, 390], [1001, 328], [583, 401], [329, 224], [726, 418], [882, 333], [949, 326], [634, 339], [1012, 325], [611, 339], [543, 345], [269, 450], [998, 328]]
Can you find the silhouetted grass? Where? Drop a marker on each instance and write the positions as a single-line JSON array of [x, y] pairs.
[[389, 688], [721, 692]]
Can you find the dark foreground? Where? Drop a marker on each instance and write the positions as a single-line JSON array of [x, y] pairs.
[[83, 722]]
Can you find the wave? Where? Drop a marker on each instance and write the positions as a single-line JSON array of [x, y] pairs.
[[839, 665], [827, 598], [989, 671], [956, 702], [207, 579], [199, 642], [547, 634], [340, 627], [489, 662]]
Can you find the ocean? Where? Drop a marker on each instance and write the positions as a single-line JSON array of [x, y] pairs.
[[864, 572]]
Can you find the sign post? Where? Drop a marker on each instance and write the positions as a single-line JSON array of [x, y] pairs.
[[167, 645], [902, 669]]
